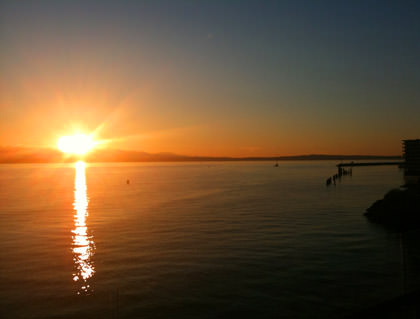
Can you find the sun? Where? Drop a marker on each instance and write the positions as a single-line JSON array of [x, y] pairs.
[[78, 144]]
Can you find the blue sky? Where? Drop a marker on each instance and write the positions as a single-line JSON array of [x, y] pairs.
[[240, 77]]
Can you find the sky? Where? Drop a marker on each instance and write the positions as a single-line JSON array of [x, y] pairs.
[[212, 78]]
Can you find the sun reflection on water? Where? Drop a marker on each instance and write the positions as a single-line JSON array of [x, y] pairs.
[[83, 245]]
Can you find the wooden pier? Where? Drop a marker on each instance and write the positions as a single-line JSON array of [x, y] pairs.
[[342, 171], [353, 164]]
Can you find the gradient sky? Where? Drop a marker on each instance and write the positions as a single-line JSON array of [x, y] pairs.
[[228, 78]]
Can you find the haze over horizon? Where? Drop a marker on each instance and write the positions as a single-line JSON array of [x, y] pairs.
[[234, 79], [52, 155]]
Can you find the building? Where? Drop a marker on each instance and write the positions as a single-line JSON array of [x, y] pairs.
[[411, 150]]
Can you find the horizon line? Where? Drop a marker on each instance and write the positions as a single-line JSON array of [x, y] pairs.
[[169, 157]]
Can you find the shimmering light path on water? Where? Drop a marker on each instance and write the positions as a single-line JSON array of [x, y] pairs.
[[83, 244], [197, 240]]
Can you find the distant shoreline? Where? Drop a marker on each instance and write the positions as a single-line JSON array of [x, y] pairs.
[[158, 158]]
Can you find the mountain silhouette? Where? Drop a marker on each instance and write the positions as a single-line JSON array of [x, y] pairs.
[[48, 155]]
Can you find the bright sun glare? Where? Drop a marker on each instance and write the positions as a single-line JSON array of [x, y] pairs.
[[78, 144]]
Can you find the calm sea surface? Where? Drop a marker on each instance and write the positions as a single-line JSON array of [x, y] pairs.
[[199, 240]]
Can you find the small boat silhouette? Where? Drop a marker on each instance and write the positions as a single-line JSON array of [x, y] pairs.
[[277, 164]]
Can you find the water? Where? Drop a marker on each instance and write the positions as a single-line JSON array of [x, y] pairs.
[[197, 240]]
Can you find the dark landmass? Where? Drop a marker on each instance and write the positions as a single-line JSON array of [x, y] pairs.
[[404, 306], [399, 209], [47, 155]]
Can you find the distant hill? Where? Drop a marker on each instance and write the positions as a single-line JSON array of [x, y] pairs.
[[47, 155]]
